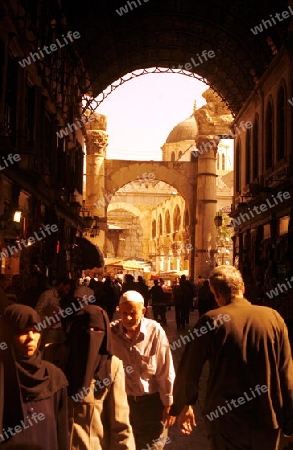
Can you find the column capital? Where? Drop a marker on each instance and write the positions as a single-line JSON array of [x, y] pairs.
[[207, 145], [96, 142]]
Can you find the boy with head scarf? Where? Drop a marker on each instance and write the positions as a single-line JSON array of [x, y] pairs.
[[98, 408], [33, 395]]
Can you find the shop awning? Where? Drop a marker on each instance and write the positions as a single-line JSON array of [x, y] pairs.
[[88, 254]]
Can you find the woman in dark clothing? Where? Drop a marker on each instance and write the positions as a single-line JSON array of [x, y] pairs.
[[33, 394], [98, 408]]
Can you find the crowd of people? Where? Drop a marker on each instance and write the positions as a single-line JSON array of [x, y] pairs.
[[76, 376]]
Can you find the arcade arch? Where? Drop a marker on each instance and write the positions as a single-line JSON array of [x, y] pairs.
[[144, 221]]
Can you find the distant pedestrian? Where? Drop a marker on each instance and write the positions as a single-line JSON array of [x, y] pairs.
[[205, 299], [109, 298], [118, 289], [189, 294], [200, 281], [181, 295], [158, 303], [194, 292], [142, 288], [129, 283]]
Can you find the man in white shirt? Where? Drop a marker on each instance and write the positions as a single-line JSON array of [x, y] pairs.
[[143, 347]]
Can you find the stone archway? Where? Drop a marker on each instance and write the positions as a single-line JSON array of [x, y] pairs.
[[181, 175], [122, 205], [141, 203]]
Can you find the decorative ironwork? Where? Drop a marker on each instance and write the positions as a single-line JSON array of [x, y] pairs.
[[91, 103]]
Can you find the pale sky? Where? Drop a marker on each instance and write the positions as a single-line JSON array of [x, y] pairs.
[[142, 112]]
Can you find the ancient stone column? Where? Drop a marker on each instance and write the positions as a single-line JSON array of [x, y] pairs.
[[96, 143], [96, 197], [206, 204], [213, 121]]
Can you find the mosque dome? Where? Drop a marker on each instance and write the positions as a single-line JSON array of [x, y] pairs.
[[184, 131]]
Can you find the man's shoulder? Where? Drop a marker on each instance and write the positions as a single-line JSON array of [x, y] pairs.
[[153, 326], [246, 309]]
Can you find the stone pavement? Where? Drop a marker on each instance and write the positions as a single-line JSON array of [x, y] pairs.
[[198, 439]]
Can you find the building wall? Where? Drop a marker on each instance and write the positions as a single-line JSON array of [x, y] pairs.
[[38, 99], [263, 165]]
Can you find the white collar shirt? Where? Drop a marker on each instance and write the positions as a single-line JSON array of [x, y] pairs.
[[147, 360]]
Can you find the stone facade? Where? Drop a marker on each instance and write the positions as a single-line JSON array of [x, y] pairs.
[[263, 169]]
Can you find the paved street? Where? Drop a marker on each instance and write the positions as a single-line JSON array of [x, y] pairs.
[[198, 439]]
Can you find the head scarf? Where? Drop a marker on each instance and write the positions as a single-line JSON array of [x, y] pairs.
[[90, 348], [23, 378]]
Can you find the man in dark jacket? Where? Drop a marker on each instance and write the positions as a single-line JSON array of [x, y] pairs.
[[182, 300], [158, 302], [142, 288], [249, 396]]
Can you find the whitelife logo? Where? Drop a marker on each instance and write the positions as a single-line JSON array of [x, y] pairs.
[[12, 431], [10, 159], [124, 9], [240, 400], [281, 196], [205, 54], [206, 146], [99, 383], [53, 47], [72, 126], [11, 249], [217, 321], [3, 345], [64, 312], [279, 289], [271, 22]]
